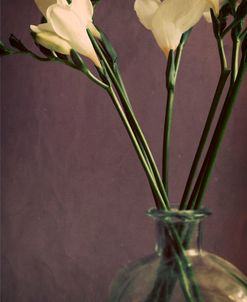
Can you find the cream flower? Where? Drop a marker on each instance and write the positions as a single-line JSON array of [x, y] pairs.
[[169, 19], [66, 27]]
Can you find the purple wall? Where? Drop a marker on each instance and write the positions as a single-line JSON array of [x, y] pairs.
[[74, 193]]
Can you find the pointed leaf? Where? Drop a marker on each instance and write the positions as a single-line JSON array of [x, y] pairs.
[[108, 47]]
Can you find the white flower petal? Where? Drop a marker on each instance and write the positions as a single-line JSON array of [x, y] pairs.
[[44, 4], [83, 8], [63, 3], [145, 10], [67, 25], [45, 27], [34, 29], [174, 17], [64, 22], [53, 42], [167, 34], [184, 14], [207, 16]]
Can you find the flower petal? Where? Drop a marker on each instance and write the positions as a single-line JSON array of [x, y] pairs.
[[145, 10], [173, 18], [185, 14], [67, 25], [44, 4], [41, 27], [63, 3], [53, 42], [166, 34], [83, 8], [207, 16], [64, 21]]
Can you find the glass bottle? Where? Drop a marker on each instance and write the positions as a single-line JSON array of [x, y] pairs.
[[179, 270]]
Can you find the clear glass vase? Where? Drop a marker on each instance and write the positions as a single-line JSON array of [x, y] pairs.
[[179, 270]]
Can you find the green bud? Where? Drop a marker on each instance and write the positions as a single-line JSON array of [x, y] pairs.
[[94, 2], [3, 50], [16, 43], [47, 52], [242, 10], [77, 60], [216, 24], [236, 31]]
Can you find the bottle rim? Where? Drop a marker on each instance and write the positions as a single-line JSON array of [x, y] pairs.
[[176, 215]]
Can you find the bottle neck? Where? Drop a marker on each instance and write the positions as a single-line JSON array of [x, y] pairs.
[[190, 234]]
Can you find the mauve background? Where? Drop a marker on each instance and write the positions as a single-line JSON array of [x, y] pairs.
[[74, 193]]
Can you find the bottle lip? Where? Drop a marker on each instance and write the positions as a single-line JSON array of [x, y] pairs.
[[175, 215]]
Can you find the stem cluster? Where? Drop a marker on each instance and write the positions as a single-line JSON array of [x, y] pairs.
[[111, 81]]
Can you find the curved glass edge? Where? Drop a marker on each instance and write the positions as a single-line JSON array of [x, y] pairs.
[[176, 215]]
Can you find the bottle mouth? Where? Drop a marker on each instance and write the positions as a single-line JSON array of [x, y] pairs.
[[175, 215]]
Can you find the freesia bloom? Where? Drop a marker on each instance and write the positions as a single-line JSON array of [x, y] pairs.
[[66, 27], [169, 19]]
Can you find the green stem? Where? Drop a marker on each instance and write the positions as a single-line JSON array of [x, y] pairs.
[[137, 129], [230, 27], [170, 83], [137, 147], [208, 164], [217, 96], [132, 119], [235, 59], [171, 77]]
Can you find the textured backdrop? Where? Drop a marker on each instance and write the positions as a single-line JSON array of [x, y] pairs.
[[74, 193]]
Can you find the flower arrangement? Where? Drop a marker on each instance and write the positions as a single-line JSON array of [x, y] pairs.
[[67, 32]]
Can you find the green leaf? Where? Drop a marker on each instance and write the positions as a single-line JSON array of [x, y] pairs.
[[111, 52], [16, 43], [77, 60]]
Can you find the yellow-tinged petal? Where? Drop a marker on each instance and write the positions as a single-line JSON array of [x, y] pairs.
[[94, 30], [68, 26], [44, 4], [145, 10], [53, 42]]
